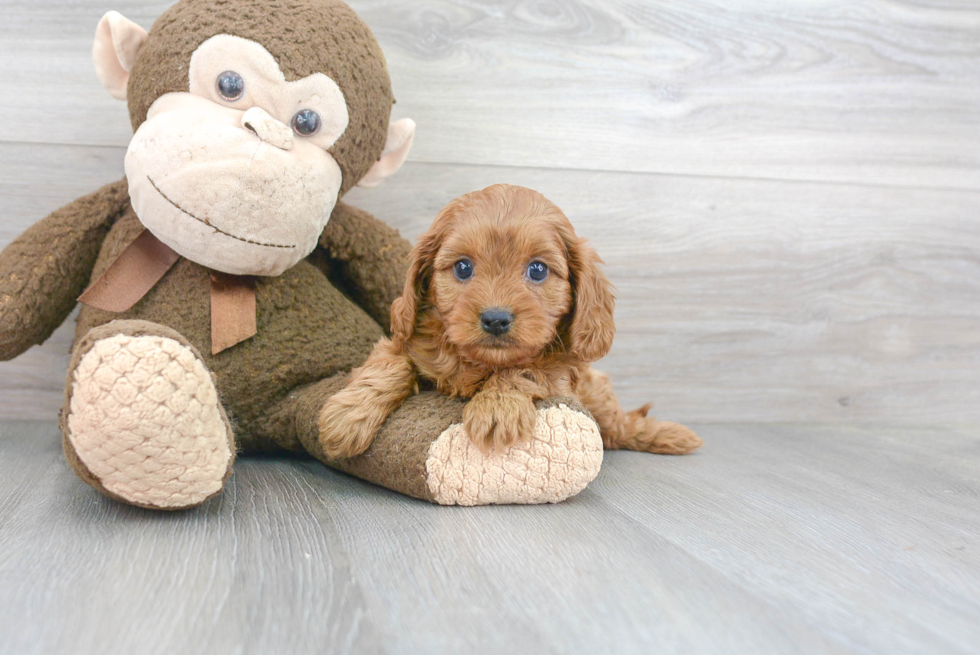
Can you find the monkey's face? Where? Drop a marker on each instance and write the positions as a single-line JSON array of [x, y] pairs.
[[244, 143], [235, 174]]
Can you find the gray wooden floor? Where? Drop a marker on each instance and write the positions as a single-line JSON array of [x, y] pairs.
[[774, 539]]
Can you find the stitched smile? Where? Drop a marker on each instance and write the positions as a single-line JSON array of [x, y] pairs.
[[208, 223]]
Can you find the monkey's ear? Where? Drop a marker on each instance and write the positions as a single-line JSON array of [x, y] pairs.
[[117, 42], [399, 142]]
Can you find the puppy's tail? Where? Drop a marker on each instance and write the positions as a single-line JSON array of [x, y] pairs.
[[647, 434]]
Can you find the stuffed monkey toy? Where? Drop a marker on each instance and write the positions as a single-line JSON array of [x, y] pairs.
[[226, 291]]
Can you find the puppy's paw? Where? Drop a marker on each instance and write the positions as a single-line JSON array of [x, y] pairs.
[[645, 433], [344, 430], [495, 420]]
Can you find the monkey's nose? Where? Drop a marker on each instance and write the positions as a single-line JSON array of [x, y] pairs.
[[275, 133], [496, 321]]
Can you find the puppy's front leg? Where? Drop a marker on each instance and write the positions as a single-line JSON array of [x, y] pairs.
[[501, 414], [352, 417]]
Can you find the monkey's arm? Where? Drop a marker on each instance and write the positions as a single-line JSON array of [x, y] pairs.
[[44, 270], [369, 260]]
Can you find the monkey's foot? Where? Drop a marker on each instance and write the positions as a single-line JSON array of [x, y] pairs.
[[558, 462], [142, 422]]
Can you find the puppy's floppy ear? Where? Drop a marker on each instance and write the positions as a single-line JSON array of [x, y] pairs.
[[406, 307], [593, 301]]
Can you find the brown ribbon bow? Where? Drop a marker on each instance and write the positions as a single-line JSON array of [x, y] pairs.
[[145, 261]]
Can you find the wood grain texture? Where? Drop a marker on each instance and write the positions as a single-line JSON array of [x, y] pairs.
[[774, 539], [872, 91], [260, 570], [739, 300]]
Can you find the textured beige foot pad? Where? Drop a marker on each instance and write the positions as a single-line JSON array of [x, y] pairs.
[[145, 421], [560, 460]]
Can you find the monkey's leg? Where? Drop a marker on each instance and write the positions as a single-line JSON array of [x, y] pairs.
[[142, 422], [635, 430], [423, 451]]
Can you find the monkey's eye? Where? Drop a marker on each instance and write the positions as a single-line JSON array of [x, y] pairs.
[[306, 122], [463, 269], [537, 271], [230, 85]]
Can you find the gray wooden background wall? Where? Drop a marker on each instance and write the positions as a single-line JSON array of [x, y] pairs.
[[787, 193]]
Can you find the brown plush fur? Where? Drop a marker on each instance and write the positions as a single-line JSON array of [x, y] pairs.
[[307, 331], [305, 37], [560, 325], [43, 271]]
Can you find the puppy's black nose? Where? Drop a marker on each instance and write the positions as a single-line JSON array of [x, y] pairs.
[[496, 321]]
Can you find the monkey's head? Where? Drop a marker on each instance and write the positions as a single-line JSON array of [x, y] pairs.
[[252, 118]]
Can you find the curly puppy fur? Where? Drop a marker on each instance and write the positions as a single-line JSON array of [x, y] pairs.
[[559, 324]]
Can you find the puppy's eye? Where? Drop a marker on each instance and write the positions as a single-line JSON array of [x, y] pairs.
[[306, 122], [463, 269], [230, 85], [537, 271]]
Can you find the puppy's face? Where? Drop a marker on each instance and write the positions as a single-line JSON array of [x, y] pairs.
[[506, 276], [501, 284]]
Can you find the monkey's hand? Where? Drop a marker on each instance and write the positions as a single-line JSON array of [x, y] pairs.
[[497, 418], [43, 271]]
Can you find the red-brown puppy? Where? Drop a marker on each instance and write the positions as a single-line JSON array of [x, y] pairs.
[[505, 305]]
